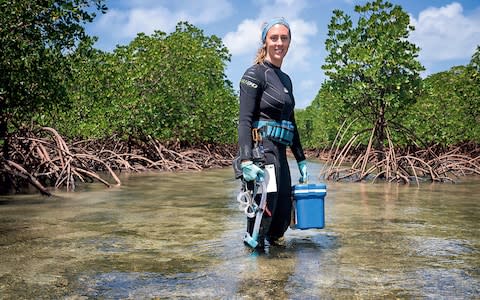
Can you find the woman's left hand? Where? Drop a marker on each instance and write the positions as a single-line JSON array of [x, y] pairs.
[[302, 167]]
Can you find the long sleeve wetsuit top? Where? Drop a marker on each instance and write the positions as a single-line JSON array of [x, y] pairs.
[[265, 94]]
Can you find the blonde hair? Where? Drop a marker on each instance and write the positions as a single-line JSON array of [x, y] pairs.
[[261, 54]]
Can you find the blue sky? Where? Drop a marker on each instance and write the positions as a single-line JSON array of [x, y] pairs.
[[447, 32]]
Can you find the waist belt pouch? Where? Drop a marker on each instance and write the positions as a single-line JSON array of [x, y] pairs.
[[287, 132], [281, 132]]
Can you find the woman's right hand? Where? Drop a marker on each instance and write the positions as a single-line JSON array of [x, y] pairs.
[[251, 171]]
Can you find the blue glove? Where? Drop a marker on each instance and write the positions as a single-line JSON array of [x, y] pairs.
[[302, 167], [251, 171]]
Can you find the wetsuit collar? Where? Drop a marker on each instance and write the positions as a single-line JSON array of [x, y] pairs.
[[268, 63]]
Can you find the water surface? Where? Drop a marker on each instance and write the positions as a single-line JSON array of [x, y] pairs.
[[179, 236]]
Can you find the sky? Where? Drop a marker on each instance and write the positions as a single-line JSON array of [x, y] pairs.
[[447, 31]]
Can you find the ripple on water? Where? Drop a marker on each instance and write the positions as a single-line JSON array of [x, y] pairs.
[[120, 285], [449, 283], [432, 246]]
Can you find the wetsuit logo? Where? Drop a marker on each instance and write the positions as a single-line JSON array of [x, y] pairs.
[[249, 83]]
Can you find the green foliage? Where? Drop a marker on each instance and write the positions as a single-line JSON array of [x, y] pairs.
[[446, 113], [35, 35], [449, 112], [91, 90], [169, 87], [372, 68], [319, 123]]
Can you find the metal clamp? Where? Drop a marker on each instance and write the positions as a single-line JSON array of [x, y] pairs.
[[256, 135]]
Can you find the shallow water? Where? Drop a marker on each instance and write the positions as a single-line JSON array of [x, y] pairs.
[[180, 236]]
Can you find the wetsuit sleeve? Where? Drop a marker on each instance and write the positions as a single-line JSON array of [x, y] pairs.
[[296, 146], [250, 91]]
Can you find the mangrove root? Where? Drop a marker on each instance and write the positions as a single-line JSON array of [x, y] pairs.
[[44, 159]]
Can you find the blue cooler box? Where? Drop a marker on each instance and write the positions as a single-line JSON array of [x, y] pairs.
[[309, 205]]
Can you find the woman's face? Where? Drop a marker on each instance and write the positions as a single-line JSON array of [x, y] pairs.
[[277, 43]]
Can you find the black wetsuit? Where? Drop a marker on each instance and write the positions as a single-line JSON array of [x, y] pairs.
[[266, 94]]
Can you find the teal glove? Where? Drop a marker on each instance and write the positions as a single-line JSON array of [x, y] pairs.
[[251, 171], [302, 167]]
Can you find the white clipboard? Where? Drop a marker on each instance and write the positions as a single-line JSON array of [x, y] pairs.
[[272, 179]]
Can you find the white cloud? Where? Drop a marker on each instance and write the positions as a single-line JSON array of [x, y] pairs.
[[145, 20], [301, 50], [148, 16], [245, 40], [445, 33]]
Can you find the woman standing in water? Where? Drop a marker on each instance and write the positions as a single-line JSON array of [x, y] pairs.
[[267, 107]]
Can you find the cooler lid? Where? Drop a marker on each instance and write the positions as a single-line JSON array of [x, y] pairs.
[[310, 188]]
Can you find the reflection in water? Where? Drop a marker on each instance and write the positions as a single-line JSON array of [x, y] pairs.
[[180, 236]]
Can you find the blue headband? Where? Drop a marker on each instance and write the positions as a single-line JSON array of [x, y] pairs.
[[271, 23]]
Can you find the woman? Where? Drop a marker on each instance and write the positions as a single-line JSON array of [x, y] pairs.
[[267, 107]]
